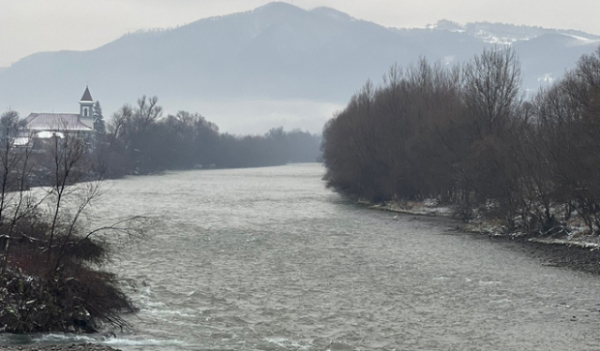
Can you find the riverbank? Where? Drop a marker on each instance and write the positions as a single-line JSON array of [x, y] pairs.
[[71, 347], [576, 251], [559, 254]]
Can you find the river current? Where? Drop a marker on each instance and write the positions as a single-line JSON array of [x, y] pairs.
[[268, 259]]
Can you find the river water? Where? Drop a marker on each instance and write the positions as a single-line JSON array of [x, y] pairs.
[[268, 259]]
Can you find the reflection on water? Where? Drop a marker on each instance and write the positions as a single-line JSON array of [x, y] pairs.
[[267, 259]]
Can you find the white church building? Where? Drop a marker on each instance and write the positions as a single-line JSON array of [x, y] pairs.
[[47, 125]]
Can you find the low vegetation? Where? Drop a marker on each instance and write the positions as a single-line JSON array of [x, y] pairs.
[[466, 136], [51, 276]]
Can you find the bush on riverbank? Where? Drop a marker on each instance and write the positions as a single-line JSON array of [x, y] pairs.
[[466, 137], [55, 287], [50, 267]]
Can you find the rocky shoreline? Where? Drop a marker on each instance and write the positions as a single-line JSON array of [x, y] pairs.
[[66, 347], [581, 254], [559, 254]]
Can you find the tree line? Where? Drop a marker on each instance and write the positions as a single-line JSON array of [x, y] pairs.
[[140, 140], [467, 136]]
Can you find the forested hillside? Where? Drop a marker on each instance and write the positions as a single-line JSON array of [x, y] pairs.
[[278, 59]]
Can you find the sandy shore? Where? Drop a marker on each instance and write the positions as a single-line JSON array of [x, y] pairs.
[[71, 347]]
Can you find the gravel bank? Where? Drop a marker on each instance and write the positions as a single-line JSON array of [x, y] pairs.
[[72, 347], [581, 255], [561, 255]]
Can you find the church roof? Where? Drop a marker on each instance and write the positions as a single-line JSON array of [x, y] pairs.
[[86, 95], [55, 121]]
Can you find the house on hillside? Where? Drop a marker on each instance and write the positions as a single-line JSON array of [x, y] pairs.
[[49, 125]]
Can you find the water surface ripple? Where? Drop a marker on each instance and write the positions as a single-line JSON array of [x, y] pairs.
[[267, 259]]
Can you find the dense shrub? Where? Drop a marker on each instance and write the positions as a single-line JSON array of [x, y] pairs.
[[466, 137], [51, 276]]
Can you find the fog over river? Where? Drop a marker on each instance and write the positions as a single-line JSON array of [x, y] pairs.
[[268, 259]]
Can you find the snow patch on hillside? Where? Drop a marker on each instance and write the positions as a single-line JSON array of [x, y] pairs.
[[488, 37], [546, 79], [580, 40], [448, 26], [508, 34], [449, 59]]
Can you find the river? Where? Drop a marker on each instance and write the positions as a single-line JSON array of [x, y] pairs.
[[268, 259]]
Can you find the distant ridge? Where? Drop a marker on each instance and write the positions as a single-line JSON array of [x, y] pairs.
[[332, 13], [510, 33], [277, 52]]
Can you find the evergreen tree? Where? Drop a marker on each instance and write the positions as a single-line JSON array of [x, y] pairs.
[[99, 125]]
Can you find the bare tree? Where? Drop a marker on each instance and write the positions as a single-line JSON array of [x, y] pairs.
[[147, 112], [48, 283], [492, 84]]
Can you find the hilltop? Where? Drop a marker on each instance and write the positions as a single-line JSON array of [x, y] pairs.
[[277, 62]]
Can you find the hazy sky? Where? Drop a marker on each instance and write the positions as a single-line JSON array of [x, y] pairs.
[[29, 26]]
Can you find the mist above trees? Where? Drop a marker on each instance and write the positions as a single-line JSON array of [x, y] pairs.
[[140, 140], [278, 56], [466, 136]]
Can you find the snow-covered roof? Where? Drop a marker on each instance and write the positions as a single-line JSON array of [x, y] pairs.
[[55, 122], [47, 135], [21, 141]]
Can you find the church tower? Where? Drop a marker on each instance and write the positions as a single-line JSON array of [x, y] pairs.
[[86, 104]]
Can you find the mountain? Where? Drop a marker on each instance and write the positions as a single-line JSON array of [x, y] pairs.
[[277, 63]]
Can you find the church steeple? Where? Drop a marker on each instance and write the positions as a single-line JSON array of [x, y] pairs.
[[86, 104]]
